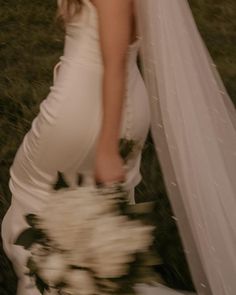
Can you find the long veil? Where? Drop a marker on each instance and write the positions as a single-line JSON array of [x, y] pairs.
[[193, 125]]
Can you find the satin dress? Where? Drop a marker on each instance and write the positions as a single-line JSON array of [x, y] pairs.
[[64, 133]]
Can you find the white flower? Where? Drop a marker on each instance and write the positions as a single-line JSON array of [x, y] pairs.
[[86, 223], [37, 250], [109, 285], [80, 282], [114, 241], [39, 254], [52, 268], [67, 213]]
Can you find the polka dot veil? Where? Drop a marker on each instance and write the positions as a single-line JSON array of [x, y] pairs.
[[193, 126]]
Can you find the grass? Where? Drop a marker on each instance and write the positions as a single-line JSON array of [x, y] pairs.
[[30, 44]]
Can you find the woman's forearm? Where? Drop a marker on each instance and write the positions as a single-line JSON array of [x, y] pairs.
[[115, 32], [113, 99]]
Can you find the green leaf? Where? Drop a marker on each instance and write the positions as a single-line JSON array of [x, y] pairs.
[[142, 208], [31, 266], [151, 258], [28, 237], [61, 285], [41, 285], [126, 147], [61, 182], [31, 219], [80, 179]]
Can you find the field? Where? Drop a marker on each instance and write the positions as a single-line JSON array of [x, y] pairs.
[[31, 42]]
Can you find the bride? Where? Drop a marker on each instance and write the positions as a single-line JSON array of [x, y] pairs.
[[98, 97]]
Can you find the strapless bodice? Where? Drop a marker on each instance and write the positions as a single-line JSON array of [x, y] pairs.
[[82, 38]]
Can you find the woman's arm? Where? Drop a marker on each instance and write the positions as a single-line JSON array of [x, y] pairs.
[[115, 32]]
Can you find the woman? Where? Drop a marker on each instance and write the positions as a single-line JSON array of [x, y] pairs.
[[98, 97], [97, 70]]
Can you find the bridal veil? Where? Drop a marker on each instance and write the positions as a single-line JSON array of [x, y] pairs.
[[193, 125]]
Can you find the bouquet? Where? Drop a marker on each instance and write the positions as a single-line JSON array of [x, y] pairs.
[[87, 241]]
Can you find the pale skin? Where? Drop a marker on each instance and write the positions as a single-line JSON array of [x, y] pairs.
[[117, 31]]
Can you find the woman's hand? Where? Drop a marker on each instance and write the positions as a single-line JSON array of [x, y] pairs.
[[109, 165]]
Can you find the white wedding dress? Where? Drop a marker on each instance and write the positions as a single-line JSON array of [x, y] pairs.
[[63, 136]]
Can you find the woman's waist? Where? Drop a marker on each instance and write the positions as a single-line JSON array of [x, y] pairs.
[[82, 54], [72, 70], [88, 51]]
